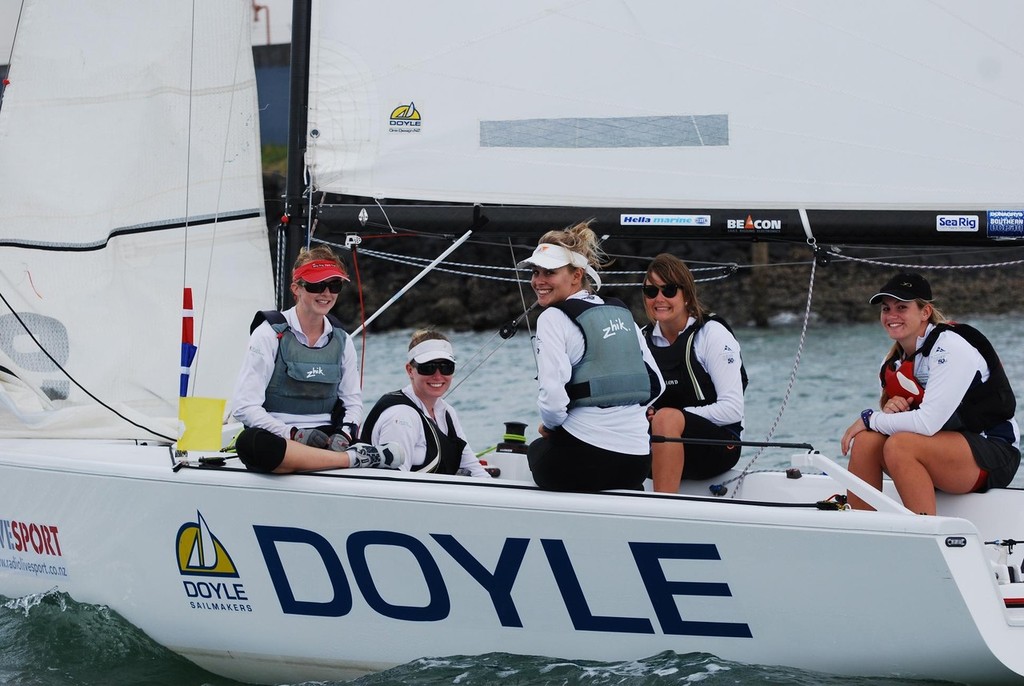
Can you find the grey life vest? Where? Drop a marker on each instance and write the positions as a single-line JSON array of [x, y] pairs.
[[612, 372], [305, 380]]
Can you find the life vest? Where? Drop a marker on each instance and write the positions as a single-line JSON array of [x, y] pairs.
[[984, 406], [612, 371], [305, 380], [687, 382], [444, 453], [899, 382]]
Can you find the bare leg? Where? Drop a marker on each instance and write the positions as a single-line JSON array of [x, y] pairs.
[[299, 457], [919, 464], [867, 462], [667, 458]]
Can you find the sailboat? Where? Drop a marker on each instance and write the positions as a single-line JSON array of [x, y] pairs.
[[130, 175]]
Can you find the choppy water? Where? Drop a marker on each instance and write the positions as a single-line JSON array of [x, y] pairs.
[[52, 640]]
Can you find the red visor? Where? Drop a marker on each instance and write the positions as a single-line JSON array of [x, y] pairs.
[[317, 271]]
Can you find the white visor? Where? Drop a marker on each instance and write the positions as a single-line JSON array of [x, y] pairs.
[[432, 349], [551, 256]]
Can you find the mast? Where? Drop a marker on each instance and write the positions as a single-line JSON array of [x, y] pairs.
[[292, 229]]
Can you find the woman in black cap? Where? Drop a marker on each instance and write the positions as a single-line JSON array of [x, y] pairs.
[[959, 436]]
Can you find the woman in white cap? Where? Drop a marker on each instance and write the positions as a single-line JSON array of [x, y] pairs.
[[946, 419], [298, 393], [595, 373], [417, 419]]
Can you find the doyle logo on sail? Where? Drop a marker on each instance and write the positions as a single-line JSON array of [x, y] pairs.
[[405, 119], [200, 552]]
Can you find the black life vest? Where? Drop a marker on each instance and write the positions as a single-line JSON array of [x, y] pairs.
[[612, 371], [985, 404], [687, 382], [305, 380], [444, 452]]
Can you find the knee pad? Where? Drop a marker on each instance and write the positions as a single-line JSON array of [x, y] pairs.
[[260, 450]]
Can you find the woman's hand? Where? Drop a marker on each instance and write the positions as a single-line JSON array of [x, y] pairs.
[[854, 429], [896, 404]]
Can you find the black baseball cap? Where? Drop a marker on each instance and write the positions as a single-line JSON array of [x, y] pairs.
[[904, 286]]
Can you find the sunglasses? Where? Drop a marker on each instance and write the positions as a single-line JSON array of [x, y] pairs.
[[334, 286], [446, 367], [669, 290]]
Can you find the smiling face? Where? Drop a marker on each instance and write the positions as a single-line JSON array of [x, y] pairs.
[[671, 313], [430, 387], [552, 286], [313, 303], [904, 320]]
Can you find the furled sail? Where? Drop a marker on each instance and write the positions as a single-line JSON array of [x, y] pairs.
[[129, 168], [648, 104]]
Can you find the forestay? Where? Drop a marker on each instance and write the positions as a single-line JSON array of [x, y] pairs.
[[129, 167], [648, 104]]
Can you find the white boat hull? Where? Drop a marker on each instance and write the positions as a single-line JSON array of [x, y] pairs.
[[334, 576]]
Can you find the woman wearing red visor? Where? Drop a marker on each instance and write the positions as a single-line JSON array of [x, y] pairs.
[[298, 392]]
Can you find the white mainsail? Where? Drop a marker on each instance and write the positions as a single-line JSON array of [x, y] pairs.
[[125, 180], [733, 103]]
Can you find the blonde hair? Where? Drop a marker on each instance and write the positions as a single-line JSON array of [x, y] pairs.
[[318, 253], [671, 269], [580, 238], [421, 335]]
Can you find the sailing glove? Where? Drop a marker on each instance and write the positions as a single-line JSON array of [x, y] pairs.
[[314, 438]]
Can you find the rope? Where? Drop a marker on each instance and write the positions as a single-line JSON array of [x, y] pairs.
[[720, 488], [465, 269], [901, 265]]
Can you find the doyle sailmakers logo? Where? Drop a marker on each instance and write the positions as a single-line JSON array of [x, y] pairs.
[[405, 119], [201, 554]]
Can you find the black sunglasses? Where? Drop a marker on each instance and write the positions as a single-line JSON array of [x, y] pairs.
[[334, 286], [669, 290], [446, 367]]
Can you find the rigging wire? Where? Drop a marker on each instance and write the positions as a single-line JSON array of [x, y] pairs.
[[789, 387], [72, 379]]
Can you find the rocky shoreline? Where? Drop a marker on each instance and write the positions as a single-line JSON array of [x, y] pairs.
[[768, 287], [769, 294]]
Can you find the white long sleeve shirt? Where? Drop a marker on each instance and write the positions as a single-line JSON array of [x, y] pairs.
[[718, 351], [946, 374], [258, 367], [402, 424], [559, 345]]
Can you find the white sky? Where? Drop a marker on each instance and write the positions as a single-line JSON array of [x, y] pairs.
[[280, 24]]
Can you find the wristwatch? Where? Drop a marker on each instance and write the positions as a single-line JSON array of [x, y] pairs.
[[865, 417]]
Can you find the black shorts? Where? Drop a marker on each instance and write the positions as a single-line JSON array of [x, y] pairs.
[[706, 461], [996, 456], [563, 462]]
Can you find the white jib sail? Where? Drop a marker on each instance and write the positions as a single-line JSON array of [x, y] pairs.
[[129, 168]]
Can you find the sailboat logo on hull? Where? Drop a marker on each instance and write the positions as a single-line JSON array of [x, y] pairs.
[[200, 552], [405, 119]]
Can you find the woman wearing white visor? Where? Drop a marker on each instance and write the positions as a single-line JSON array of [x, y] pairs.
[[417, 420], [596, 376]]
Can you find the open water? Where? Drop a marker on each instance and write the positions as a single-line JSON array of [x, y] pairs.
[[54, 641]]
